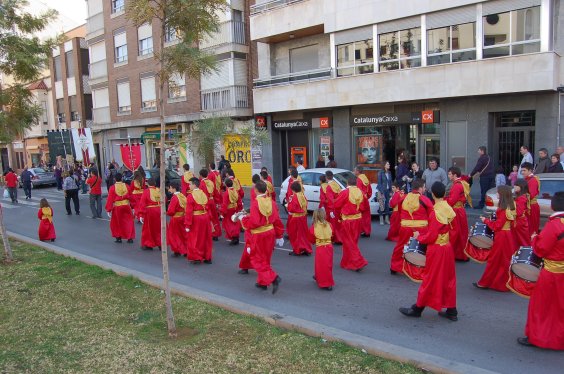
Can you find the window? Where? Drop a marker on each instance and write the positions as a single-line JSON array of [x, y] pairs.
[[170, 34], [451, 44], [58, 69], [148, 95], [512, 33], [61, 111], [120, 46], [44, 112], [124, 99], [69, 64], [87, 107], [400, 49], [145, 35], [118, 6], [75, 116], [177, 86], [84, 61], [304, 58], [355, 58]]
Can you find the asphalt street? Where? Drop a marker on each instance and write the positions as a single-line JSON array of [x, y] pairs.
[[363, 303]]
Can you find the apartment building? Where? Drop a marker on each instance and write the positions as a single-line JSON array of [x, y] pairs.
[[367, 80], [122, 77]]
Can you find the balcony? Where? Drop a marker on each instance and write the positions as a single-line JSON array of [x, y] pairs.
[[231, 97], [101, 115], [98, 70], [94, 26], [270, 5], [301, 77], [228, 32]]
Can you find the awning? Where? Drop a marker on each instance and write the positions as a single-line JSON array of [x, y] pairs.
[[156, 135], [32, 147]]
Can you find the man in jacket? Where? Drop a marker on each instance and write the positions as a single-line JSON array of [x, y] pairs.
[[543, 162], [26, 182], [434, 173], [485, 168]]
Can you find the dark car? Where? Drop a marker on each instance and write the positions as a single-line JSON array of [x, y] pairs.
[[170, 175]]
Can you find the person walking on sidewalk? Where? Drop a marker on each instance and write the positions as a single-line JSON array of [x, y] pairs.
[[484, 169], [95, 183], [70, 186], [12, 185], [384, 190], [26, 182]]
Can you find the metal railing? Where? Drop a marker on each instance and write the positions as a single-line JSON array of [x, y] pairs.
[[231, 97], [98, 69], [271, 5], [303, 76], [101, 115], [228, 32]]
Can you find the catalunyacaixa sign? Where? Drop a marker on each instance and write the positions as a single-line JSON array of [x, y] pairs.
[[427, 116], [296, 124]]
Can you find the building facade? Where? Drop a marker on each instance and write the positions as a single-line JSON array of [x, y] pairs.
[[124, 86], [35, 140], [368, 80]]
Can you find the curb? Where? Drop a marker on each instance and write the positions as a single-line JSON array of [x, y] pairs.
[[424, 361]]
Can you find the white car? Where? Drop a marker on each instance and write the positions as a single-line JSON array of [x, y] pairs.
[[310, 179]]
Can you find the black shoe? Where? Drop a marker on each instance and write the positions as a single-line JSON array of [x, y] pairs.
[[78, 213], [215, 238], [130, 241], [414, 311], [207, 262], [457, 260], [94, 217], [393, 272], [195, 262], [292, 254], [478, 286], [524, 341], [314, 278], [69, 214], [145, 248], [275, 284], [359, 270], [176, 254], [234, 241], [264, 288], [305, 253], [52, 240], [365, 235], [243, 271], [118, 240], [327, 288], [450, 314]]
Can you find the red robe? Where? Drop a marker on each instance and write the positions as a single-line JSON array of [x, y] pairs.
[[270, 190], [332, 193], [438, 287], [215, 177], [149, 208], [245, 261], [521, 230], [534, 212], [185, 182], [231, 204], [121, 223], [213, 198], [265, 226], [323, 197], [545, 321], [135, 192], [198, 221], [290, 182], [238, 187], [348, 207], [363, 183], [46, 227], [296, 225], [496, 273], [321, 236], [417, 220], [393, 232], [457, 199], [176, 235]]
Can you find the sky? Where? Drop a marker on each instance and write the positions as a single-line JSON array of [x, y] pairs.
[[72, 13]]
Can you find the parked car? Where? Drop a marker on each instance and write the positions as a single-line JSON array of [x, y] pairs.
[[41, 177], [310, 179], [549, 184], [170, 175]]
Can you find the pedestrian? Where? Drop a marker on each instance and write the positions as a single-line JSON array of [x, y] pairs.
[[269, 178], [85, 174], [176, 232], [149, 210], [395, 200], [70, 187], [296, 226], [560, 152], [496, 273], [332, 192], [245, 261], [500, 177], [438, 286], [543, 162], [136, 188], [545, 326], [214, 199], [111, 175], [458, 197], [513, 176], [119, 211], [266, 229], [215, 177], [413, 174], [534, 191], [555, 165], [222, 164], [323, 193], [77, 175], [527, 157], [320, 234], [484, 169], [198, 225], [185, 180], [12, 185], [320, 163], [414, 213], [401, 169], [46, 228], [236, 184], [384, 191], [521, 230], [363, 183], [269, 187], [231, 204], [347, 207], [434, 173], [95, 183], [59, 177], [25, 178], [332, 163], [300, 166]]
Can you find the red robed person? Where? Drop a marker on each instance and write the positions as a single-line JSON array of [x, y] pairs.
[[414, 211], [245, 261], [323, 194], [457, 198], [266, 228], [269, 187], [397, 198], [119, 211], [297, 221], [198, 225], [332, 192], [46, 228], [438, 286], [176, 235], [136, 188], [545, 321], [149, 210], [534, 189], [185, 180], [231, 204], [214, 198], [294, 177], [363, 184], [347, 207], [215, 177], [521, 230], [236, 183]]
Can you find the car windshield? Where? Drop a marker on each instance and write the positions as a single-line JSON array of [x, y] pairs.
[[549, 187], [38, 171], [343, 177]]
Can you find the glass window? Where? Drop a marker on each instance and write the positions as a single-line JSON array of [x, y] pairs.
[[400, 49], [355, 58], [146, 46], [118, 6], [61, 110], [451, 44], [171, 34], [177, 86], [58, 69], [120, 47], [307, 178], [69, 59]]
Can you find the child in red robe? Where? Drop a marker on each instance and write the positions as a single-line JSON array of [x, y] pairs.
[[245, 261], [332, 192], [323, 193], [363, 183], [269, 187], [534, 190], [320, 234], [175, 231], [231, 204], [46, 227], [496, 273], [185, 180], [149, 210], [297, 221], [458, 197], [136, 191], [521, 231], [214, 198], [119, 211], [438, 286], [397, 196], [198, 225]]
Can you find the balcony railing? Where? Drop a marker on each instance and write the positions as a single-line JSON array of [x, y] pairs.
[[301, 77], [228, 32], [101, 115], [232, 97], [271, 5], [98, 69], [95, 23]]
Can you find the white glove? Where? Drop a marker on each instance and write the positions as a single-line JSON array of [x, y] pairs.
[[332, 215], [142, 220], [280, 242], [235, 217], [249, 250], [187, 230], [109, 215]]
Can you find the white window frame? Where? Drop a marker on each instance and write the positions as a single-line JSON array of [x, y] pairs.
[[148, 99], [450, 52], [400, 58], [120, 51], [146, 49], [124, 109], [354, 65], [118, 6], [171, 34]]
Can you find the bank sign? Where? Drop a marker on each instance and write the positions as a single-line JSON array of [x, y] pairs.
[[426, 116], [299, 124]]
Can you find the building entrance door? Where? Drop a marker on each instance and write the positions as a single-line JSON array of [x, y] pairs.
[[511, 131], [431, 148]]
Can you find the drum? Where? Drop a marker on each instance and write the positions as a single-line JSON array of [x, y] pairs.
[[481, 236], [524, 271], [414, 259]]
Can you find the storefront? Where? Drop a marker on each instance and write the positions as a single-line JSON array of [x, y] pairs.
[[37, 151], [151, 138]]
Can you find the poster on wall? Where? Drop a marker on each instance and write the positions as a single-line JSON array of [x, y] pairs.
[[369, 151], [83, 145], [325, 147], [238, 153]]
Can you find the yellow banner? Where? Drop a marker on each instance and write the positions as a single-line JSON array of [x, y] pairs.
[[238, 153]]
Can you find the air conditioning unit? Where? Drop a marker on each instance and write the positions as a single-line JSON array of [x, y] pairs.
[[182, 128]]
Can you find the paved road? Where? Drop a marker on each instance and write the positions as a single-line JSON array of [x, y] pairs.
[[362, 303]]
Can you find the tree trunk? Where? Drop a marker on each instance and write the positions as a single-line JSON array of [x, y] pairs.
[[8, 256]]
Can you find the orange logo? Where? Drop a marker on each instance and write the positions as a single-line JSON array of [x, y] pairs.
[[427, 116], [324, 122]]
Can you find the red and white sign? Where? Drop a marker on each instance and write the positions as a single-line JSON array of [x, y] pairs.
[[260, 122], [83, 145], [324, 122], [427, 116], [131, 155]]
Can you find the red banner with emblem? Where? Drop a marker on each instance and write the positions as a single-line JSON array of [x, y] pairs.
[[131, 155]]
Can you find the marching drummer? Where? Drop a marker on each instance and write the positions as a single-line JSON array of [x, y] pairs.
[[545, 325], [438, 289]]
